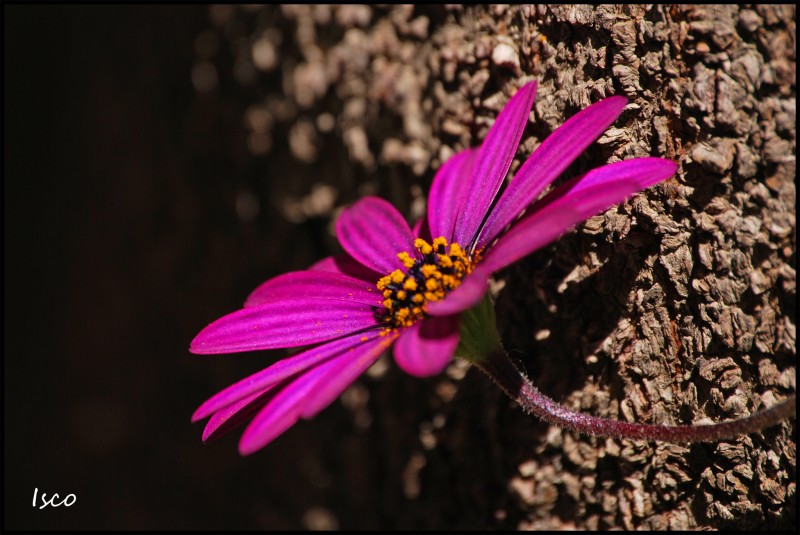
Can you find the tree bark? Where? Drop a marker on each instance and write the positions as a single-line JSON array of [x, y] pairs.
[[677, 306]]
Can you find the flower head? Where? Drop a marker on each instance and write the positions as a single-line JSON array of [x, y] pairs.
[[409, 288]]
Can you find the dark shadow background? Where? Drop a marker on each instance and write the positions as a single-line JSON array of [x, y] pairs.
[[122, 240], [135, 215]]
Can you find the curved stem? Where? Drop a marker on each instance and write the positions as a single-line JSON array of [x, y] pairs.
[[502, 371]]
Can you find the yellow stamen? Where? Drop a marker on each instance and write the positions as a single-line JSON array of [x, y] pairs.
[[450, 282], [406, 259], [423, 246], [428, 270], [407, 292]]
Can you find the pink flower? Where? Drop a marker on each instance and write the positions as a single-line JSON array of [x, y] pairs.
[[391, 287]]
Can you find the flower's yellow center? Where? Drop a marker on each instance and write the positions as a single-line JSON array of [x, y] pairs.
[[426, 279]]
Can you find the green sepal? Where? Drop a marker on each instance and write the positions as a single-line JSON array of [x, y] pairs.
[[479, 336]]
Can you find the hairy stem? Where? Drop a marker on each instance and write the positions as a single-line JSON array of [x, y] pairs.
[[502, 371]]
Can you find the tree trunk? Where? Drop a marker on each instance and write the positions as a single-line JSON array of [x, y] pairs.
[[675, 307]]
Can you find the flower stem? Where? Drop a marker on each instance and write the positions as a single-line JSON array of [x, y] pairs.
[[502, 371]]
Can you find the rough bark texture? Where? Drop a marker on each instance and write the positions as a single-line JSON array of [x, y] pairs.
[[166, 160], [675, 307]]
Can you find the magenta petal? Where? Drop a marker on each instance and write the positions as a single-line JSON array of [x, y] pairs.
[[283, 410], [315, 285], [572, 203], [567, 205], [279, 371], [492, 163], [234, 415], [309, 393], [338, 379], [286, 323], [421, 229], [641, 172], [448, 192], [345, 264], [464, 297], [548, 161], [425, 348], [372, 231]]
